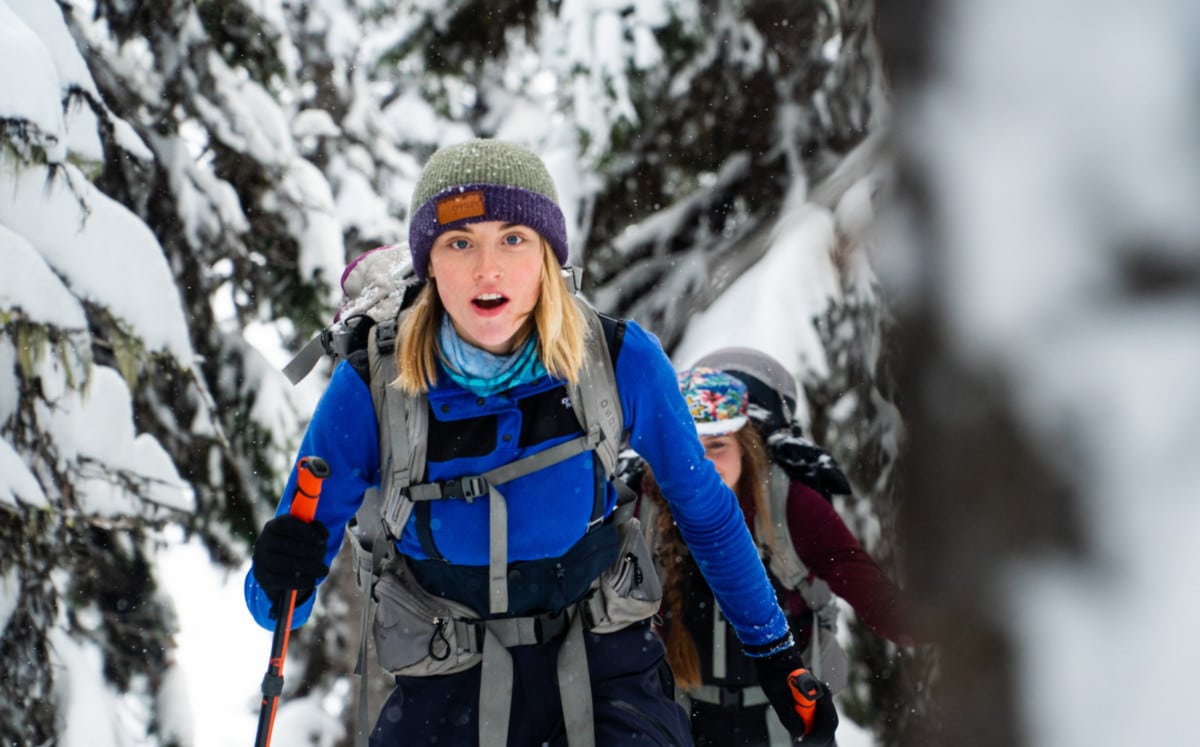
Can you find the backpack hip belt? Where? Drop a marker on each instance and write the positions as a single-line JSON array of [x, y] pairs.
[[728, 697], [420, 634]]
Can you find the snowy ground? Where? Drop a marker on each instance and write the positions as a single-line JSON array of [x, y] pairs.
[[222, 651], [222, 657]]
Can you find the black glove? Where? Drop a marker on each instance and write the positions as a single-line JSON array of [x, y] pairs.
[[290, 554], [807, 463], [631, 468], [803, 703]]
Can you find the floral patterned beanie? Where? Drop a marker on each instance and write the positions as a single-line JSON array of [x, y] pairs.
[[716, 400]]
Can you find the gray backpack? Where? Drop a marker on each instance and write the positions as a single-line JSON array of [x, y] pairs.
[[774, 397], [417, 633]]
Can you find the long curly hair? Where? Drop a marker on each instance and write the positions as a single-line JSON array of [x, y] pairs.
[[674, 560]]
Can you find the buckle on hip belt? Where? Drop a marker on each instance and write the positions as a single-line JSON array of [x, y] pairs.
[[464, 488], [547, 628]]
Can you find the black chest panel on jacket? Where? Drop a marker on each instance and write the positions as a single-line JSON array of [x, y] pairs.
[[470, 437], [545, 416]]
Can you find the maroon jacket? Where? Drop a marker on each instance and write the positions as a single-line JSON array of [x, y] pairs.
[[832, 553]]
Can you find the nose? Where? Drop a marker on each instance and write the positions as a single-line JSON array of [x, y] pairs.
[[487, 265]]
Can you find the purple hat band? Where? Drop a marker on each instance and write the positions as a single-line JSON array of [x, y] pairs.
[[475, 203]]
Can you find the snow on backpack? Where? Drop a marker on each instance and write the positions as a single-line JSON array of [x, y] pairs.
[[375, 287], [417, 633]]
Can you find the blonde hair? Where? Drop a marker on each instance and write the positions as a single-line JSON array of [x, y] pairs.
[[682, 654], [561, 331]]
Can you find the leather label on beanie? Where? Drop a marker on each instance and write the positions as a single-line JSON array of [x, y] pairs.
[[460, 207]]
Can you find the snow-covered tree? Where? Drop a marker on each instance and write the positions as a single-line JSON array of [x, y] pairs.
[[156, 208], [90, 310]]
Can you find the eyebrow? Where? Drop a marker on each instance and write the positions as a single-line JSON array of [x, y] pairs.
[[469, 228]]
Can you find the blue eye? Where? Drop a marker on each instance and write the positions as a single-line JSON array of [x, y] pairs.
[[513, 239], [459, 244]]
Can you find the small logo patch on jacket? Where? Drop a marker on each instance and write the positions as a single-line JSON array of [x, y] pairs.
[[460, 207]]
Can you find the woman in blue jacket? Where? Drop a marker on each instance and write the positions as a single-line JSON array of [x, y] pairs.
[[491, 342]]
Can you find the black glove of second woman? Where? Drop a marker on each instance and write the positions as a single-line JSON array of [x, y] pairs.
[[290, 554], [803, 703]]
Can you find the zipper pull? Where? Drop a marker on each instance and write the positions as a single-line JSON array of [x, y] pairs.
[[637, 569]]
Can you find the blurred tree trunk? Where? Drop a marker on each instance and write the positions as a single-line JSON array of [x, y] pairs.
[[976, 493]]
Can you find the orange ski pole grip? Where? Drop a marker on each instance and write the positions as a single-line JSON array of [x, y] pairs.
[[311, 472], [805, 692]]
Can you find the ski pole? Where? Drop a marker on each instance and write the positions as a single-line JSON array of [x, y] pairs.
[[310, 473]]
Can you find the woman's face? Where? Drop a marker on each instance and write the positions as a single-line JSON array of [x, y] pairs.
[[488, 277], [726, 453]]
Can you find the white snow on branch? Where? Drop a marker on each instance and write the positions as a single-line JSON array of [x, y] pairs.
[[30, 84], [29, 286], [105, 253], [17, 483], [772, 305], [116, 471]]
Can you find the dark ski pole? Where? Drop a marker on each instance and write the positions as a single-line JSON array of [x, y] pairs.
[[310, 473]]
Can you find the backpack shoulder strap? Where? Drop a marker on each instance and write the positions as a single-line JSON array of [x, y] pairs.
[[614, 335], [787, 566], [784, 561], [647, 515], [403, 428], [595, 398], [402, 425]]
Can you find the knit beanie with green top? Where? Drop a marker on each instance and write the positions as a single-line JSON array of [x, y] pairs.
[[483, 180]]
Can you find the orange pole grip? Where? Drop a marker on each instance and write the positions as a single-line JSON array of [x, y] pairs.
[[310, 473], [804, 697]]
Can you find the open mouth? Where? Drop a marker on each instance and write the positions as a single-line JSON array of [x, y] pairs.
[[488, 301]]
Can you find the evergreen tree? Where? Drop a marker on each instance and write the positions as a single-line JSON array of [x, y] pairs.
[[180, 215], [83, 490]]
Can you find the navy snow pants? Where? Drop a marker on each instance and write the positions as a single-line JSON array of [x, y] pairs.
[[632, 693]]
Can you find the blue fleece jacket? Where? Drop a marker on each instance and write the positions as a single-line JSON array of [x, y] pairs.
[[548, 511]]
